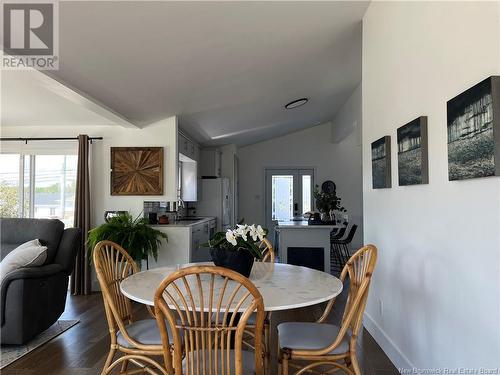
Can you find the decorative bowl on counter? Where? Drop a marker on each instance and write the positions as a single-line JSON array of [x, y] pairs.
[[163, 219]]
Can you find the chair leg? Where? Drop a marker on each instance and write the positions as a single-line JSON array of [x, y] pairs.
[[340, 257], [347, 252], [109, 359], [355, 364], [335, 255], [279, 355], [267, 343], [284, 365]]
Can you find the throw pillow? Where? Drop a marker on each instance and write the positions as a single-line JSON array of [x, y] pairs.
[[29, 254]]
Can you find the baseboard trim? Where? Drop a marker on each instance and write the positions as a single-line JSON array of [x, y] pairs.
[[396, 356]]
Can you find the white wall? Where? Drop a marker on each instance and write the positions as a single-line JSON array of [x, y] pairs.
[[162, 133], [438, 274], [313, 147]]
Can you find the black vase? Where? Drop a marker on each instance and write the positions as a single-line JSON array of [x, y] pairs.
[[240, 261]]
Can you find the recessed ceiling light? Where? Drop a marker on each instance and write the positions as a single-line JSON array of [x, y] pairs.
[[296, 103]]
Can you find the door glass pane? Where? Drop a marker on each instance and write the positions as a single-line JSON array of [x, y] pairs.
[[9, 185], [306, 193], [282, 197], [55, 187]]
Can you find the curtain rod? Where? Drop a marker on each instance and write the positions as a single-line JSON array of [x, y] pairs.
[[47, 139]]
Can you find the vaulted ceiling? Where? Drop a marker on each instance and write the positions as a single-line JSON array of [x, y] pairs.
[[226, 69]]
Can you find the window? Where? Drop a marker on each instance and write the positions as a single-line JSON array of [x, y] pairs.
[[306, 193], [288, 193], [9, 185], [38, 186], [282, 197]]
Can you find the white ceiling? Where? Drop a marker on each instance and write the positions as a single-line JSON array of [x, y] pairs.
[[30, 98], [225, 68]]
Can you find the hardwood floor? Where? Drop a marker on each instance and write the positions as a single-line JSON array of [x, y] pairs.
[[82, 349]]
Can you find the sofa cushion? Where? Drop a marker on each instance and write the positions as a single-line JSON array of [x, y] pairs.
[[18, 231], [29, 254], [68, 248]]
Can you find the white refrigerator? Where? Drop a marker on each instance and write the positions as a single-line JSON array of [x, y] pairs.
[[216, 201]]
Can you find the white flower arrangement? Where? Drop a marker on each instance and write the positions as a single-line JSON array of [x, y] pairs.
[[244, 236], [243, 230]]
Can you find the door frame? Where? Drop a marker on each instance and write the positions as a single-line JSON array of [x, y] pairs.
[[284, 168]]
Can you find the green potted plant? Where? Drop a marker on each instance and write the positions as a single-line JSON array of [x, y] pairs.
[[237, 248], [134, 235], [326, 203]]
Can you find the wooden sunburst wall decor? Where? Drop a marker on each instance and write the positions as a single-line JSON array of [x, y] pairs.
[[136, 170]]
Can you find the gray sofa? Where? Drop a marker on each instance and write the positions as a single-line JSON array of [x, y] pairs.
[[32, 299]]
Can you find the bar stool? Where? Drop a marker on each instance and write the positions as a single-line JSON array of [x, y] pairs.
[[340, 247], [335, 260]]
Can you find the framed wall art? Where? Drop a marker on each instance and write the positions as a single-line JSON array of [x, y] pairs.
[[474, 131], [136, 170], [413, 164], [381, 163]]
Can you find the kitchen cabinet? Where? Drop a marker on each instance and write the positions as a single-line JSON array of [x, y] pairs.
[[182, 144], [188, 174], [210, 162], [188, 147], [196, 155], [189, 169], [200, 235], [184, 243]]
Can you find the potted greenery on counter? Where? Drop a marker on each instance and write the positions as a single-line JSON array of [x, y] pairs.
[[237, 248], [327, 202], [136, 236]]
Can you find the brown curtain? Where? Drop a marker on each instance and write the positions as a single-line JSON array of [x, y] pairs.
[[80, 279]]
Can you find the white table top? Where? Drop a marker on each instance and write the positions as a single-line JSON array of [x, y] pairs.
[[283, 286]]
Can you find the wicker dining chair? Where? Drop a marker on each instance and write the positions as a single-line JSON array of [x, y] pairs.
[[137, 340], [268, 255], [186, 300], [324, 344]]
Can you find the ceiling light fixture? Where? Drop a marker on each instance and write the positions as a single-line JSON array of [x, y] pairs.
[[296, 103]]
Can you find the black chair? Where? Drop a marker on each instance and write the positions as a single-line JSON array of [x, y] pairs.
[[339, 249], [335, 261], [337, 234]]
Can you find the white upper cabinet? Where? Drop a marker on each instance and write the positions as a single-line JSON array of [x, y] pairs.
[[187, 147], [210, 162], [189, 176]]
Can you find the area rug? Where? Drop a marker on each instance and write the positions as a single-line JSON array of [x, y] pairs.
[[11, 353]]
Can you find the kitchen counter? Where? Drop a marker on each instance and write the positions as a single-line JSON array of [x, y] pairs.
[[304, 224], [185, 238], [305, 245], [185, 223]]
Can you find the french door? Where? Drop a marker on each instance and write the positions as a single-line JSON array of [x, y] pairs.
[[288, 194]]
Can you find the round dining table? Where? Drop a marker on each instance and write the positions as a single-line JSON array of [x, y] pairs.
[[282, 286]]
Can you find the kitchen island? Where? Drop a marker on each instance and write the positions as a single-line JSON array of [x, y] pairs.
[[184, 240], [303, 244]]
